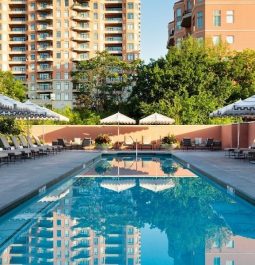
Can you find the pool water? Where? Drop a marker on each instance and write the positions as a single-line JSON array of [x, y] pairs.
[[128, 211]]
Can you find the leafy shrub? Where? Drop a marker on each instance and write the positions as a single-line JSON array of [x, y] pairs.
[[170, 139], [102, 139]]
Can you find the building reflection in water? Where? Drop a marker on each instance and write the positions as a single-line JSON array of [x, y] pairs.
[[99, 221]]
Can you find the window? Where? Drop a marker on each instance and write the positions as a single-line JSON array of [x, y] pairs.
[[216, 261], [58, 44], [230, 39], [217, 18], [130, 26], [130, 46], [58, 34], [216, 40], [178, 16], [66, 76], [58, 243], [130, 5], [95, 5], [200, 20], [58, 86], [58, 233], [58, 221], [58, 55], [230, 17], [130, 16], [230, 262], [230, 244]]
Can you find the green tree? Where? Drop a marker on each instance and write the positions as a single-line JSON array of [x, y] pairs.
[[14, 89], [103, 82], [190, 82], [11, 87]]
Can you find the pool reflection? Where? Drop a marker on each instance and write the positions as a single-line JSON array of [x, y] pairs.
[[170, 220]]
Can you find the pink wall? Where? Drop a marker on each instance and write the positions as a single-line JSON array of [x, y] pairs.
[[154, 132], [226, 133]]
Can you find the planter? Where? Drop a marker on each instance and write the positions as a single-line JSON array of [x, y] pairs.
[[102, 146], [169, 146]]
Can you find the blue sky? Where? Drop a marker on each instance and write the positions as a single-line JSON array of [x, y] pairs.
[[155, 15]]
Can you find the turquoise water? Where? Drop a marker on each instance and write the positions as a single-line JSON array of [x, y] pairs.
[[149, 211]]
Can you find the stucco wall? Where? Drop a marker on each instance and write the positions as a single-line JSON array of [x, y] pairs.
[[155, 132]]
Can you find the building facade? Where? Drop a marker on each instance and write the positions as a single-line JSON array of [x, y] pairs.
[[230, 21], [42, 41]]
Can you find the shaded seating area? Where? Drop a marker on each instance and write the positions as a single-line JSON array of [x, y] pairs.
[[13, 148], [208, 144]]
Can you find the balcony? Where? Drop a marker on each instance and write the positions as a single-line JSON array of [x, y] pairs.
[[17, 62], [45, 18], [17, 31], [113, 1], [80, 7], [16, 21], [44, 7], [113, 40], [18, 2], [45, 69], [45, 28], [45, 38], [114, 50], [40, 80], [17, 11], [81, 28], [80, 39], [110, 10], [80, 18], [186, 19], [45, 48], [113, 20], [45, 59], [81, 49], [113, 30]]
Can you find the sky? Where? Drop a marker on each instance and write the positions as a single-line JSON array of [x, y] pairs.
[[155, 16]]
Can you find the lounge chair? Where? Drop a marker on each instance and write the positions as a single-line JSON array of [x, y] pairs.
[[10, 150], [25, 144], [25, 151], [63, 142], [129, 142], [146, 142], [86, 142], [187, 144], [49, 148]]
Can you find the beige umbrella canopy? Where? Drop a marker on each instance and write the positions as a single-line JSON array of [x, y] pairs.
[[118, 185], [156, 118], [157, 185], [118, 118]]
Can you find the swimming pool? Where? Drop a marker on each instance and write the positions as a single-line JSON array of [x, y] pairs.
[[126, 211]]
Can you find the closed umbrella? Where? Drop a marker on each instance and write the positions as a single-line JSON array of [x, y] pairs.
[[156, 118], [241, 108], [118, 119]]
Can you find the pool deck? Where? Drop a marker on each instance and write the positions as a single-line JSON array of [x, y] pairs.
[[23, 179], [238, 174]]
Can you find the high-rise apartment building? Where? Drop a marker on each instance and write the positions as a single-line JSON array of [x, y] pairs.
[[223, 20], [42, 41]]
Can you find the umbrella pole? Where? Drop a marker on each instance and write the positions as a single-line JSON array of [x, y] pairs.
[[118, 135], [238, 135]]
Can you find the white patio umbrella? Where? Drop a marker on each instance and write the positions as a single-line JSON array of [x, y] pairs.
[[156, 118], [48, 114], [118, 119], [241, 108], [156, 185], [13, 108], [118, 185]]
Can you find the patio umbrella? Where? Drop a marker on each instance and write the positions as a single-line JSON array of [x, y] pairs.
[[241, 108], [12, 108], [156, 185], [156, 118], [118, 185], [118, 119]]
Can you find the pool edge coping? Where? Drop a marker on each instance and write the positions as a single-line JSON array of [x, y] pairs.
[[22, 199], [243, 195]]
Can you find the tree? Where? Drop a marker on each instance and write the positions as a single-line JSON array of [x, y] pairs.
[[11, 87], [14, 89], [103, 82], [191, 81]]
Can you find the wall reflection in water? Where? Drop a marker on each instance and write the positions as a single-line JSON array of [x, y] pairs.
[[99, 221]]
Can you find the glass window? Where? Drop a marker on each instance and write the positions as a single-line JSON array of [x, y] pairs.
[[230, 17], [230, 262], [200, 20], [216, 261], [216, 40], [130, 5], [217, 18], [178, 17], [130, 16], [230, 244], [230, 39]]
